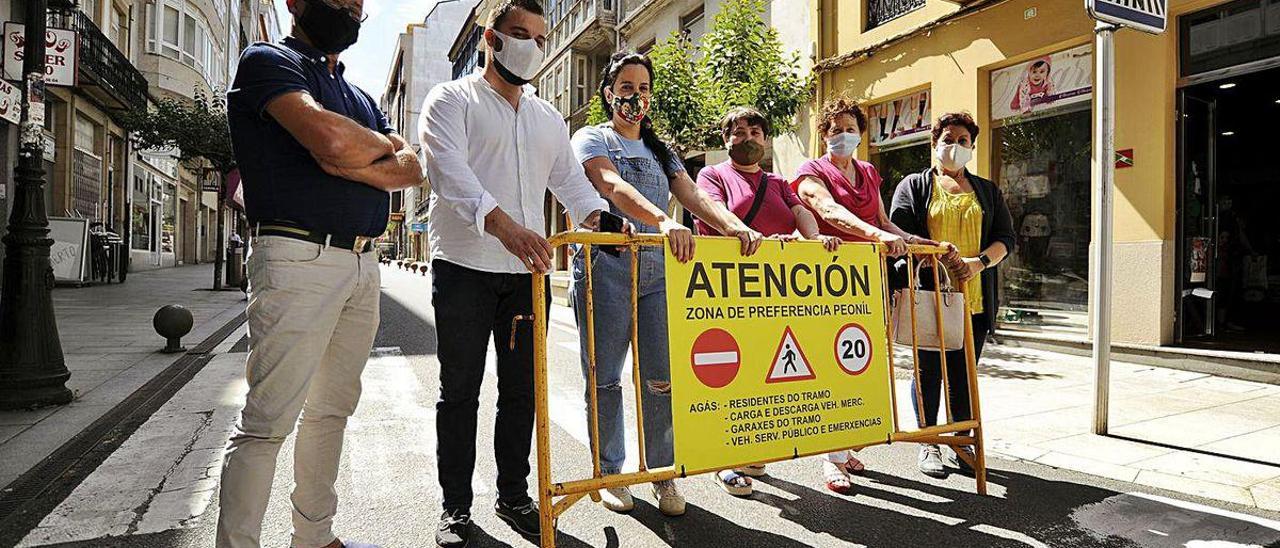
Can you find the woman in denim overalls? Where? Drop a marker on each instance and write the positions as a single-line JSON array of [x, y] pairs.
[[632, 168]]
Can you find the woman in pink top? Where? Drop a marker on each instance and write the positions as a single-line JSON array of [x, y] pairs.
[[844, 194], [765, 203]]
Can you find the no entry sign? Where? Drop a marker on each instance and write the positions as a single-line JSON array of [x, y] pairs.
[[715, 358]]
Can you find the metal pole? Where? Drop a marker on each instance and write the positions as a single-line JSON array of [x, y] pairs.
[[32, 369], [219, 247], [1104, 189]]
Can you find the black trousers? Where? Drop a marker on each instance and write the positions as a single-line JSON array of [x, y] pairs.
[[957, 378], [470, 308]]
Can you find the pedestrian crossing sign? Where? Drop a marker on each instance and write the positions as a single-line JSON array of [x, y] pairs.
[[789, 363], [1150, 16]]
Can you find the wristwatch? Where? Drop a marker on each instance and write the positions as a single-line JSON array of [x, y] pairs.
[[986, 261]]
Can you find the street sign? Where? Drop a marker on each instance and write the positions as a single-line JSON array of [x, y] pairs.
[[61, 55], [418, 227], [753, 374], [1149, 16]]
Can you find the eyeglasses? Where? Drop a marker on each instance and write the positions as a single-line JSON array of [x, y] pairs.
[[353, 10]]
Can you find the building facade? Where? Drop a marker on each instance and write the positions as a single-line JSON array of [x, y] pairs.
[[86, 152], [421, 60], [1193, 254]]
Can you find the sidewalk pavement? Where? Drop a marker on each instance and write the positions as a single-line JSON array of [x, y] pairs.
[[1202, 435], [111, 349], [1037, 407]]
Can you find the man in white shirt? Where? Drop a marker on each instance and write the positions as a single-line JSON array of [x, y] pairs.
[[492, 150]]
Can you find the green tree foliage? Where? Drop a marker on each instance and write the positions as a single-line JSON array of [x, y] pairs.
[[196, 128], [739, 61], [595, 111]]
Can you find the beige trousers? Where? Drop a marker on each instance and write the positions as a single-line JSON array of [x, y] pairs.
[[313, 314]]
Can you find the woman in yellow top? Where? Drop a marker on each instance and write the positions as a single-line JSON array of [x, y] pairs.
[[949, 204]]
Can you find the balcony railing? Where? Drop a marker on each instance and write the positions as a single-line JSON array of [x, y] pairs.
[[880, 12], [104, 65], [571, 17]]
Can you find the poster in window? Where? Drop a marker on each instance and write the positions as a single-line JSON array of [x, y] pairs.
[[1042, 83], [1199, 260], [899, 120]]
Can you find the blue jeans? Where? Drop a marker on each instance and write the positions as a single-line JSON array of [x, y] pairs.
[[611, 278]]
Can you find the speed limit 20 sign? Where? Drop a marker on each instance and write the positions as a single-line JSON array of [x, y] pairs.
[[853, 349]]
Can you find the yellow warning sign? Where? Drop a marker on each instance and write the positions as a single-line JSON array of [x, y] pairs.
[[779, 354]]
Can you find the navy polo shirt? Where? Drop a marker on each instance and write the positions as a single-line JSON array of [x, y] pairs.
[[282, 181]]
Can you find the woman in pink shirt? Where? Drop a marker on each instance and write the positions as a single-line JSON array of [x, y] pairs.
[[844, 195], [765, 203], [739, 181], [843, 192]]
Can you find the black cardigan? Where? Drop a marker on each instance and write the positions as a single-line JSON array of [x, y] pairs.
[[910, 211]]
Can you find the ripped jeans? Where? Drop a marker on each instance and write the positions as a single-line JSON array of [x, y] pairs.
[[611, 278]]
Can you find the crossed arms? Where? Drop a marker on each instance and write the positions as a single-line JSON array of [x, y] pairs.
[[344, 148]]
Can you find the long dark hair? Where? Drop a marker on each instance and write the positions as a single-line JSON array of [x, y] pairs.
[[652, 141]]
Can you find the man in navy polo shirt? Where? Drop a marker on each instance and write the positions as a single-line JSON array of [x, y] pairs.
[[318, 160]]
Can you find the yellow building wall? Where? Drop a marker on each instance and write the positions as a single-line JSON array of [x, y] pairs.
[[954, 59]]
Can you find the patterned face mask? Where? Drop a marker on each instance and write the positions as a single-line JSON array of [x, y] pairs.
[[633, 109]]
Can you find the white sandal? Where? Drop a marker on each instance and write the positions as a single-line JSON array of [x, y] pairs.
[[732, 482]]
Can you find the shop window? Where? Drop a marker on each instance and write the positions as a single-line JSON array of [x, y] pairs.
[[1043, 167], [898, 132], [894, 164], [170, 221], [140, 227], [1042, 143]]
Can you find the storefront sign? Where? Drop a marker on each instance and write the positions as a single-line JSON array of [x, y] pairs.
[[1043, 83], [898, 120], [60, 54], [777, 354], [10, 102]]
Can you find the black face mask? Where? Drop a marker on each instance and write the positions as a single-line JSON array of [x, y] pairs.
[[330, 29], [507, 75]]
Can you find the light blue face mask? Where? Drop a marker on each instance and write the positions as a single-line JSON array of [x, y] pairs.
[[844, 144]]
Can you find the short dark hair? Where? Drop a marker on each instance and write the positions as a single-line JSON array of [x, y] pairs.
[[749, 115], [504, 8], [962, 119], [841, 105]]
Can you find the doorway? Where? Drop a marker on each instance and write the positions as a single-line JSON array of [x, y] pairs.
[[1229, 244]]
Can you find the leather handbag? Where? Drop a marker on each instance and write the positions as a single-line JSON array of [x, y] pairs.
[[926, 311]]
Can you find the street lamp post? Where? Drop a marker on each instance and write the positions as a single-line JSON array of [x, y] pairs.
[[32, 369]]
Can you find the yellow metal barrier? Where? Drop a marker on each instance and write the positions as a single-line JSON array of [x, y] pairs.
[[554, 498]]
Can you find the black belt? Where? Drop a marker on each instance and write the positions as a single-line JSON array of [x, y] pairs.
[[355, 244]]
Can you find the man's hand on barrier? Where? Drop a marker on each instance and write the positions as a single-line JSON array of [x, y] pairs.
[[679, 237], [750, 239], [531, 248]]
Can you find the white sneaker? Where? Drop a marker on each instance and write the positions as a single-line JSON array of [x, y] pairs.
[[670, 502], [930, 461], [617, 499]]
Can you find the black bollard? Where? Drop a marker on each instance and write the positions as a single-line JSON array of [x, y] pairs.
[[173, 322]]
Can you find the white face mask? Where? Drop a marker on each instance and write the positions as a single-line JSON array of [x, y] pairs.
[[844, 145], [521, 57], [952, 157]]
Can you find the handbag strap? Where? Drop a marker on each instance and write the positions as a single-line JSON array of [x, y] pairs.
[[762, 188], [944, 278]]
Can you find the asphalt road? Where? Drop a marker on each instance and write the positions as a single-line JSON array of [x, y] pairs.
[[389, 493]]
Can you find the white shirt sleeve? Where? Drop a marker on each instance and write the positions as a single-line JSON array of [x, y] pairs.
[[568, 182], [442, 130]]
